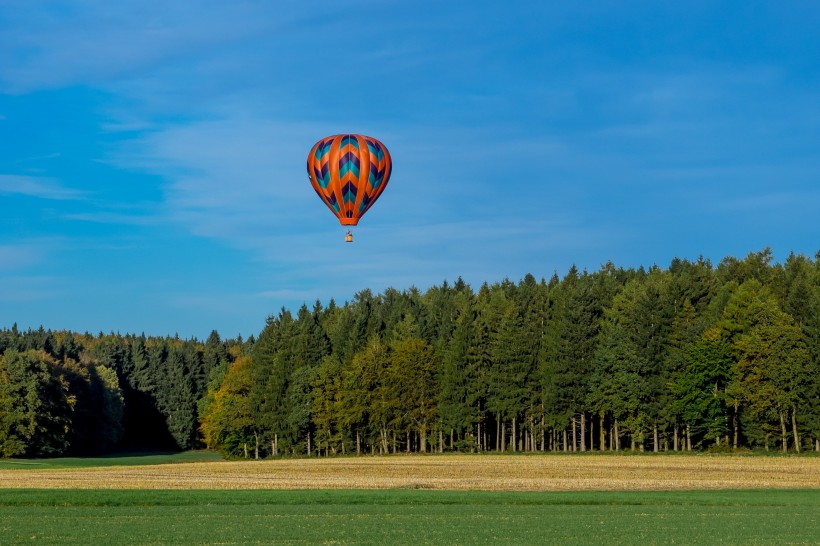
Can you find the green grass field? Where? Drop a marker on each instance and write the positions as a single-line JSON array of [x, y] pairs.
[[129, 459], [111, 517]]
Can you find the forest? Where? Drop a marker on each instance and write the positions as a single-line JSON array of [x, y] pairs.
[[688, 357]]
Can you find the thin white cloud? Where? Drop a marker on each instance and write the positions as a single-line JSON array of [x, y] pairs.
[[39, 187], [20, 256], [287, 294], [784, 203], [229, 178], [27, 287], [109, 217], [93, 41]]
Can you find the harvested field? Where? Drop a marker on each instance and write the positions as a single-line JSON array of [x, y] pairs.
[[444, 472]]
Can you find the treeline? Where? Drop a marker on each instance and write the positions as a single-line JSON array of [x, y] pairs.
[[693, 356], [63, 393], [688, 357]]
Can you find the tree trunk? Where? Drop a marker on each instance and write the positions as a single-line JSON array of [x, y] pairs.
[[734, 427], [617, 435], [583, 431], [245, 449], [514, 435], [525, 436], [591, 445], [532, 434], [784, 436], [688, 438], [675, 437], [308, 443], [655, 445], [358, 443], [498, 432], [256, 446], [602, 432], [794, 430], [566, 447], [574, 437], [503, 437], [423, 439]]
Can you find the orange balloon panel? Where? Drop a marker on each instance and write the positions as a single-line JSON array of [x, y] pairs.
[[349, 172]]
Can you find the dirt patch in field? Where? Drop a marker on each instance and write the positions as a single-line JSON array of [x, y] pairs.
[[453, 472]]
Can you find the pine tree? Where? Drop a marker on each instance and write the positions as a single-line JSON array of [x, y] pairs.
[[455, 413], [34, 407]]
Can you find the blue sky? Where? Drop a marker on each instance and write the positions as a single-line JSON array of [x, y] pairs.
[[152, 153]]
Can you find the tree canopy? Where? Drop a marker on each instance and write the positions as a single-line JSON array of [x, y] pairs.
[[692, 356]]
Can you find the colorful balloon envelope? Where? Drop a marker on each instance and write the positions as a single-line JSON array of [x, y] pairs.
[[349, 172]]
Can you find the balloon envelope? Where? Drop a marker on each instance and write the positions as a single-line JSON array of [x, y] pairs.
[[349, 172]]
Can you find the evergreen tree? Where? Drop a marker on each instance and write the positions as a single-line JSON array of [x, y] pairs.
[[479, 362], [34, 407], [273, 364], [699, 388], [455, 413], [508, 373], [177, 400]]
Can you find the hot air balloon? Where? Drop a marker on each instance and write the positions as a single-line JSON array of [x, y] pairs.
[[349, 172]]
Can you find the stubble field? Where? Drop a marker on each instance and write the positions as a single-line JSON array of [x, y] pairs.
[[440, 472]]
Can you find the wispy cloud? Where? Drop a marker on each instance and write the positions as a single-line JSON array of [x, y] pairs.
[[782, 203], [226, 179], [110, 217], [39, 187], [94, 41], [20, 256], [27, 289]]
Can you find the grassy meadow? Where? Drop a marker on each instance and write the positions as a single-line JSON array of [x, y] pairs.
[[194, 498], [408, 517]]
